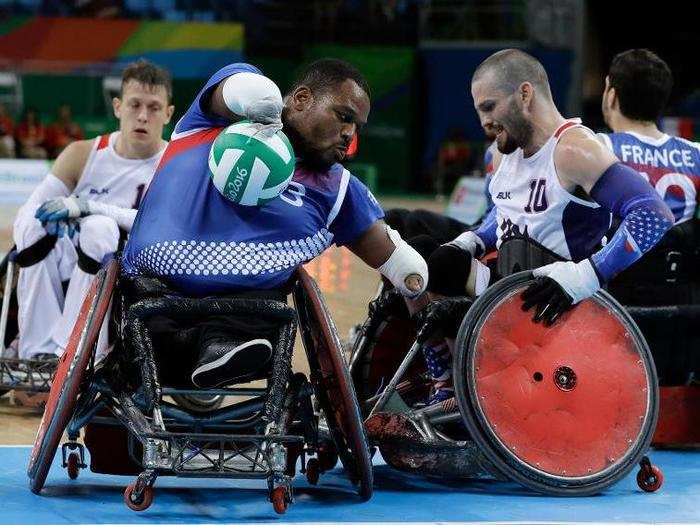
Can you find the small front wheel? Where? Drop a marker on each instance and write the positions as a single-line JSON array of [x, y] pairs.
[[135, 501], [281, 498]]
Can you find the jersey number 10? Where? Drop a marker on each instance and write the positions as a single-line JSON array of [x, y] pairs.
[[537, 201]]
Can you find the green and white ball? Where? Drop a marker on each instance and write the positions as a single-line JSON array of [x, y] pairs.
[[249, 166]]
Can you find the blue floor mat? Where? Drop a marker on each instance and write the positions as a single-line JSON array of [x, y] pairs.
[[398, 497]]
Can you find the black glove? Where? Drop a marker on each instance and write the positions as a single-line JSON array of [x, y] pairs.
[[548, 297], [444, 315]]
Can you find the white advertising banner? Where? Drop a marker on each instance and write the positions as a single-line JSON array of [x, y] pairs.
[[18, 178], [468, 200]]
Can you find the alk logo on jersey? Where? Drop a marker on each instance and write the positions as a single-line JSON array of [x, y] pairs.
[[504, 195], [95, 191]]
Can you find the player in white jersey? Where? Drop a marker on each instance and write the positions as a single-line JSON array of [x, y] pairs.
[[75, 217], [555, 188]]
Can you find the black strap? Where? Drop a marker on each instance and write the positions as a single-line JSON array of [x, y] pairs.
[[36, 252], [87, 263]]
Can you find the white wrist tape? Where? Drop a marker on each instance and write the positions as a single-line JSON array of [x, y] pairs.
[[469, 242], [253, 96], [579, 280], [404, 263], [124, 217]]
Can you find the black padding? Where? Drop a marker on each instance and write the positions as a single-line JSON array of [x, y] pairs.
[[448, 271], [424, 245], [520, 253], [87, 263], [36, 252], [411, 223]]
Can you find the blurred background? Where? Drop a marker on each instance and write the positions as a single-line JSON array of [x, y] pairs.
[[60, 62]]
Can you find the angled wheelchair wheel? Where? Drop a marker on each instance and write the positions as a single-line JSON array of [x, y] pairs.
[[332, 383], [70, 375], [564, 410]]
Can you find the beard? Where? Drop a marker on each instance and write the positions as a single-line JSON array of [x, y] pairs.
[[518, 130], [308, 155]]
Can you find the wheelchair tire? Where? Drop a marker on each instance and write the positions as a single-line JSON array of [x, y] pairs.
[[332, 384], [70, 375], [549, 407], [198, 403]]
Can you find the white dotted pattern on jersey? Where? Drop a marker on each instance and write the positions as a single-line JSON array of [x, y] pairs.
[[230, 258]]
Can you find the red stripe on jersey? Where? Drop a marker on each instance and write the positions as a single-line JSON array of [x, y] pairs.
[[104, 142], [177, 146], [563, 128]]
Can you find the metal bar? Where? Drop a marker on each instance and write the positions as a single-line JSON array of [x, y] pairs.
[[225, 437], [446, 418], [7, 292], [215, 392], [691, 311], [391, 387]]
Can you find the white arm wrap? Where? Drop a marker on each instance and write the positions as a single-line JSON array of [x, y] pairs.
[[50, 188], [403, 263], [124, 217], [253, 96], [469, 242]]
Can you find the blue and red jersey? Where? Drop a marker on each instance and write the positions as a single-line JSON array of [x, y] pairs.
[[670, 164], [189, 235]]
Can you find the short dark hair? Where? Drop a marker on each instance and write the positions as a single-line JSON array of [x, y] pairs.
[[642, 83], [323, 75], [147, 73], [512, 67]]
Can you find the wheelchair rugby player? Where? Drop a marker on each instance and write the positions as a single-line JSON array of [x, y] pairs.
[[544, 378], [199, 295]]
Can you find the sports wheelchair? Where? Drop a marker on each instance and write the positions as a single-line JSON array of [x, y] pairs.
[[30, 379], [565, 410], [129, 427], [22, 375]]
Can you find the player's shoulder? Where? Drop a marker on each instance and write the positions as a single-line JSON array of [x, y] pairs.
[[686, 142], [80, 148], [71, 162], [578, 143], [580, 156]]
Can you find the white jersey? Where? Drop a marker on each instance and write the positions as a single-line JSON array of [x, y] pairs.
[[530, 202], [113, 179]]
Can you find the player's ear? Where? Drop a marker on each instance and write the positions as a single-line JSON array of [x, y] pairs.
[[169, 113], [116, 106], [302, 98], [525, 94]]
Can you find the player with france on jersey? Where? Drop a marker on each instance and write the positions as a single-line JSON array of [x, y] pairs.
[[637, 87], [190, 236]]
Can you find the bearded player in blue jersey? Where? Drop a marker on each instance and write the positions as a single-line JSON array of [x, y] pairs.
[[190, 236], [637, 87]]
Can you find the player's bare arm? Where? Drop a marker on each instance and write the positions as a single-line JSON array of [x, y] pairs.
[[70, 163], [580, 159], [384, 249], [68, 168]]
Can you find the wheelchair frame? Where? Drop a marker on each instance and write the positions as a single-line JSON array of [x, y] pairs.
[[258, 438], [412, 438]]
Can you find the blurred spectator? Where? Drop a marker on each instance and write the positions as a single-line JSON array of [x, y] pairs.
[[454, 160], [7, 128], [30, 135], [63, 131]]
